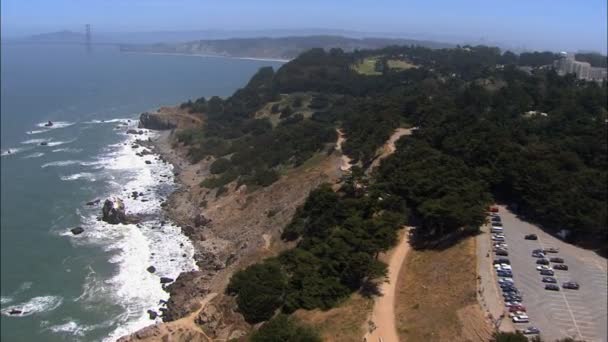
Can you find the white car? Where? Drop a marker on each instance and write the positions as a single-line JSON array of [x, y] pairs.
[[505, 281], [502, 267], [543, 267], [521, 319], [509, 304], [518, 313]]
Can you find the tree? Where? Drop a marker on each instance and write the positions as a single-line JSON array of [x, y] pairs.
[[284, 329]]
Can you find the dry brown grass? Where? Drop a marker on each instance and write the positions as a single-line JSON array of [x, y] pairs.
[[346, 322], [400, 64], [436, 298]]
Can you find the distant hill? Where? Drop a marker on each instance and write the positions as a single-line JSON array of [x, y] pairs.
[[277, 48]]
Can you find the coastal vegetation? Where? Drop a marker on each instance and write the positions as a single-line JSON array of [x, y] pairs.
[[486, 131]]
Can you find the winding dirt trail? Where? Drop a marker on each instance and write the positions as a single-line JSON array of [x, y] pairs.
[[383, 315], [389, 147], [346, 161]]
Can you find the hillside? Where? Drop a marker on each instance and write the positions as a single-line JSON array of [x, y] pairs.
[[275, 48]]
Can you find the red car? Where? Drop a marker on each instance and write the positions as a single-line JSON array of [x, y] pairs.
[[493, 209], [515, 308]]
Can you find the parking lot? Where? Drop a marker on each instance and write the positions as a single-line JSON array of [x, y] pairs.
[[565, 313]]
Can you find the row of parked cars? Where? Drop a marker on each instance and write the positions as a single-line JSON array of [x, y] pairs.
[[512, 296], [547, 266]]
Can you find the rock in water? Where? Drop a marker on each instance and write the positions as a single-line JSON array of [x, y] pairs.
[[165, 280], [44, 143], [152, 314], [151, 269], [49, 124], [114, 211], [94, 202], [15, 312], [77, 230], [155, 121]]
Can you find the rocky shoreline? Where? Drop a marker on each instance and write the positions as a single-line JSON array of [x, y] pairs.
[[228, 232]]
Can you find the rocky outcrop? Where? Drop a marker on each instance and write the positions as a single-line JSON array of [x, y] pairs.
[[113, 211], [77, 230], [156, 121], [185, 294]]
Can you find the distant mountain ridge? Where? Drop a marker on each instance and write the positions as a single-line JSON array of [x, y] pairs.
[[275, 48], [59, 37]]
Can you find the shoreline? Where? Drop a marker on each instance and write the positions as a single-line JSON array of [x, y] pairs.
[[262, 59]]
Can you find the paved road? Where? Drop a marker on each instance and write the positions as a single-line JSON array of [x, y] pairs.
[[580, 313]]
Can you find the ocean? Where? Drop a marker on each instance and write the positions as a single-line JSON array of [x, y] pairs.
[[93, 286]]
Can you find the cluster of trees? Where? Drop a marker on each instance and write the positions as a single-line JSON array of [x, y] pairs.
[[339, 237], [595, 59], [282, 328]]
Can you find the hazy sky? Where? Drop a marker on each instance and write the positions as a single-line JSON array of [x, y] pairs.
[[534, 24]]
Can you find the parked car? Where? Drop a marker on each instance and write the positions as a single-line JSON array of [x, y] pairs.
[[517, 313], [561, 267], [557, 260], [509, 297], [496, 224], [551, 250], [552, 287], [543, 267], [519, 307], [542, 262], [531, 237], [496, 230], [502, 252], [549, 280], [572, 285], [521, 319], [538, 251], [505, 280], [493, 209], [504, 273], [495, 218], [538, 255], [512, 304], [530, 331], [547, 272], [502, 261], [510, 289], [498, 238]]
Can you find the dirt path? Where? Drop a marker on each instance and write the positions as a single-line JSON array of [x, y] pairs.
[[383, 315], [389, 147], [346, 161]]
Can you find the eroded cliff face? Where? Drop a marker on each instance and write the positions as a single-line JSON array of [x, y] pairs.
[[229, 232], [168, 118]]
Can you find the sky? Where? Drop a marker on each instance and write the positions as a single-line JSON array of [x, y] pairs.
[[529, 24]]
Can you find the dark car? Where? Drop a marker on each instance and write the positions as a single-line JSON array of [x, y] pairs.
[[551, 250], [502, 252], [511, 289], [537, 255], [531, 237], [547, 273], [504, 274], [571, 285], [552, 287], [561, 267], [495, 219], [502, 261], [542, 262], [557, 260], [496, 224], [550, 280], [510, 297]]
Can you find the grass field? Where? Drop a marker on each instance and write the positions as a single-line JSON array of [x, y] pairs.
[[343, 323], [436, 296], [399, 64], [367, 67]]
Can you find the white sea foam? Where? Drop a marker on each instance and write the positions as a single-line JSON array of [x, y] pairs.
[[12, 151], [71, 327], [33, 306], [67, 150], [125, 120], [36, 131], [5, 300], [61, 163], [34, 155], [56, 124], [132, 246], [34, 141], [57, 143], [83, 175]]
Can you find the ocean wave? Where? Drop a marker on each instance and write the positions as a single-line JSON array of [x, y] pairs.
[[57, 143], [56, 124], [5, 300], [61, 163], [34, 141], [37, 131], [125, 120], [33, 306], [67, 150], [83, 175], [12, 151], [34, 155], [71, 327]]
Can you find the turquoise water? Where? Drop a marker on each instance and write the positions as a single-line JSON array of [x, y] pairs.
[[92, 286]]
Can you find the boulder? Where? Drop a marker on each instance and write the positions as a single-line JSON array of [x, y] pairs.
[[49, 124], [133, 131], [77, 230], [166, 280], [15, 312], [114, 211], [151, 269], [156, 122], [44, 143], [148, 162], [201, 221], [152, 314], [94, 202]]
